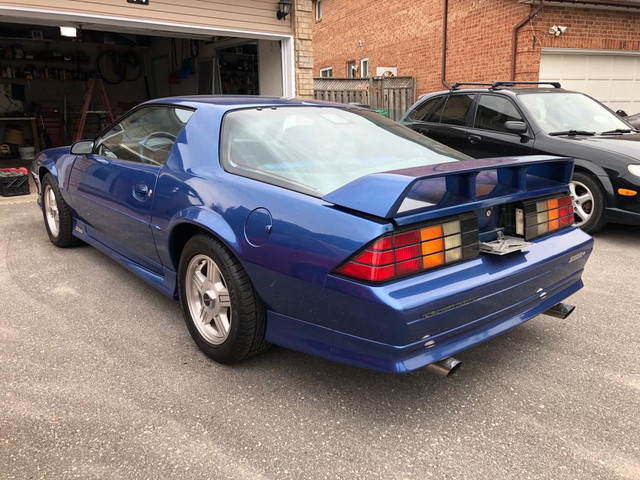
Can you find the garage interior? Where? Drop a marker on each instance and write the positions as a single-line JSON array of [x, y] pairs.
[[45, 76]]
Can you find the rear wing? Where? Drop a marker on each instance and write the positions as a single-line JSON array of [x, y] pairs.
[[400, 192]]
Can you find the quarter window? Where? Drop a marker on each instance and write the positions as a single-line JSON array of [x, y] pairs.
[[494, 111], [456, 110], [429, 111], [145, 136]]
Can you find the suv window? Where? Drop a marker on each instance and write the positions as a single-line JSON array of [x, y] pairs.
[[145, 136], [456, 110], [427, 112], [493, 111]]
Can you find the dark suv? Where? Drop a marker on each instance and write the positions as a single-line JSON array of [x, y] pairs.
[[506, 118]]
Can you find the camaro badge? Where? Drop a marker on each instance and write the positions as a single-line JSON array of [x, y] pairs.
[[577, 256]]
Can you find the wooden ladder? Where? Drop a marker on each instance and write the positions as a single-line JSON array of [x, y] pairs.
[[87, 102]]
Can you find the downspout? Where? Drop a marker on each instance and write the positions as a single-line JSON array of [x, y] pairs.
[[514, 38], [444, 45]]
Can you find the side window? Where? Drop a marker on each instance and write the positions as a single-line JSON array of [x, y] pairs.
[[456, 110], [145, 136], [424, 111], [494, 111]]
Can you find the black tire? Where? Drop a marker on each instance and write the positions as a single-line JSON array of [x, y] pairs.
[[64, 237], [245, 336], [583, 183]]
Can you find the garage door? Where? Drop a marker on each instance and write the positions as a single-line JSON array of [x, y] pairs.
[[611, 77]]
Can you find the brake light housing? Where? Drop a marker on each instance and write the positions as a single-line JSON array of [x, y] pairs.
[[410, 251], [540, 216]]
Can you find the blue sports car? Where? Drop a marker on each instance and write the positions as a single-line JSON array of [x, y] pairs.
[[319, 227]]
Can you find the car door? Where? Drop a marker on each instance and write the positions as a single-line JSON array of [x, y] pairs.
[[488, 136], [112, 189]]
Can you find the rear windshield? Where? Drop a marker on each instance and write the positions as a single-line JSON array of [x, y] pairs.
[[316, 150]]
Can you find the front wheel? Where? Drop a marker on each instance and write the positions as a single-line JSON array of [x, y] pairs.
[[57, 214], [588, 202], [223, 313]]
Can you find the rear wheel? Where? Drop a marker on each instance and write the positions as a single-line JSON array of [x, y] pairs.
[[588, 202], [57, 214], [223, 313]]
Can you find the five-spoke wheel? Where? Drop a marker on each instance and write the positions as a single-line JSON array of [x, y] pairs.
[[588, 202], [208, 299], [223, 312], [51, 213], [57, 214]]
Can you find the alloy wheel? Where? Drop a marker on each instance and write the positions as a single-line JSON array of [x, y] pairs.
[[582, 199], [51, 210], [208, 299]]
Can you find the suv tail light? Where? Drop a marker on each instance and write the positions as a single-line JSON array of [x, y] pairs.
[[541, 216], [415, 250]]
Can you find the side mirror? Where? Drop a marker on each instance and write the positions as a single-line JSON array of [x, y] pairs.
[[621, 113], [82, 147], [515, 126]]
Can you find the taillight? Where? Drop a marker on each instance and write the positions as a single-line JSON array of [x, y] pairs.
[[541, 216], [421, 248]]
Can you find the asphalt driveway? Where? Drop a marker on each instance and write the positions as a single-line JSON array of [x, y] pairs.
[[100, 379]]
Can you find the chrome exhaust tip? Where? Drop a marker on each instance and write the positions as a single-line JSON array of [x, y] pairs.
[[561, 310], [445, 367]]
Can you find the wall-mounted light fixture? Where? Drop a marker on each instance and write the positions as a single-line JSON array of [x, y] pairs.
[[557, 30], [68, 32], [284, 8]]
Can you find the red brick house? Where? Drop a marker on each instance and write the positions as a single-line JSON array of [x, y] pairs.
[[589, 45]]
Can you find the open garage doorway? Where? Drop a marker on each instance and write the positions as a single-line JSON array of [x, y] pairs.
[[45, 75]]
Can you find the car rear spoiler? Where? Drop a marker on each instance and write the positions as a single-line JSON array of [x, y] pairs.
[[382, 194]]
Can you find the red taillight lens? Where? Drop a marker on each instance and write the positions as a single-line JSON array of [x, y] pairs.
[[412, 251], [546, 215]]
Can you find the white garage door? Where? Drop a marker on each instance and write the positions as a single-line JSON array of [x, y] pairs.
[[611, 77]]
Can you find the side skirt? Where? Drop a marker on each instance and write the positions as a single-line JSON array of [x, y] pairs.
[[165, 282]]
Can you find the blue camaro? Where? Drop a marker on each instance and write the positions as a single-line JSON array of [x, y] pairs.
[[320, 227]]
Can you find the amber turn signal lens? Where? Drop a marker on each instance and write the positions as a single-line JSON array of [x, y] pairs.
[[626, 192]]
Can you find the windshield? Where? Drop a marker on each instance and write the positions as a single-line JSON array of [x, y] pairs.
[[317, 150], [565, 111]]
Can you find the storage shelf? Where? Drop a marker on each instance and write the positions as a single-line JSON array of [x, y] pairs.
[[25, 80], [53, 61], [68, 42]]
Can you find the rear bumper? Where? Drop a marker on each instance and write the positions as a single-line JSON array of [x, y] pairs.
[[407, 325]]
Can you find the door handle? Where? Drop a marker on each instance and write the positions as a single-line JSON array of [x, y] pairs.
[[474, 139], [101, 160], [423, 130], [141, 190]]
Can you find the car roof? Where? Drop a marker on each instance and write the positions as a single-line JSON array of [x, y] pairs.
[[228, 102]]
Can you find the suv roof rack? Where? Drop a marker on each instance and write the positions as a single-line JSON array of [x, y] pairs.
[[496, 85], [457, 85]]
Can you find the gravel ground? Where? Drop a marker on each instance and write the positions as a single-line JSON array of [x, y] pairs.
[[101, 380]]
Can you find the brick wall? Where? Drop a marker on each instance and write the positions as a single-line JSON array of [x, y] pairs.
[[303, 47], [600, 29], [409, 35], [386, 32]]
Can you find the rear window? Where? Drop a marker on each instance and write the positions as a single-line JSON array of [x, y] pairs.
[[316, 150], [456, 110]]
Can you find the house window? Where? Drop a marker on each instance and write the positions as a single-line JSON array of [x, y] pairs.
[[352, 68], [364, 67], [326, 72], [318, 10]]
